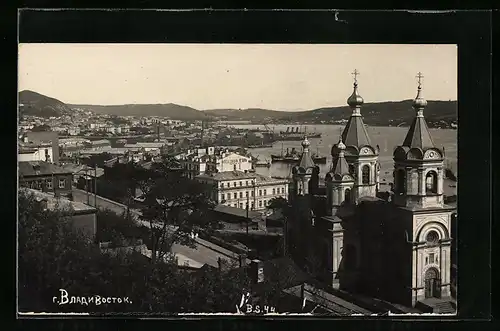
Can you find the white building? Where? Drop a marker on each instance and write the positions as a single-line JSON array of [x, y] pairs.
[[35, 152], [243, 189]]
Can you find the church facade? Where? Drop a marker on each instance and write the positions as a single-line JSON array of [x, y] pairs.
[[396, 248]]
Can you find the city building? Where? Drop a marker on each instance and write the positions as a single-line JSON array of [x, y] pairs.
[[35, 152], [244, 189], [46, 177], [396, 249], [46, 136]]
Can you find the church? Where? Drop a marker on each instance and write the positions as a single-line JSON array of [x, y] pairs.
[[395, 247]]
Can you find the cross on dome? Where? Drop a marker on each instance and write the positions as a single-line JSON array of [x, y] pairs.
[[419, 77], [355, 74]]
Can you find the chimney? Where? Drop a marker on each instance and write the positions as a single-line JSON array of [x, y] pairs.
[[257, 271]]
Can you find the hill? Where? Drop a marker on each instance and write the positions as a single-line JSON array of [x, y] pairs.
[[36, 104], [171, 110], [437, 113], [381, 113]]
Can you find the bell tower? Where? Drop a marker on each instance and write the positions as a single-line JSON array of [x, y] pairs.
[[339, 181], [418, 193], [303, 173], [360, 155]]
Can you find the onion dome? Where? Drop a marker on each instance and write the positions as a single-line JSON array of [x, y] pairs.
[[305, 143], [355, 100], [419, 102]]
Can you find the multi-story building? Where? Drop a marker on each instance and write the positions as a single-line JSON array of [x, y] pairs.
[[244, 189], [46, 177], [208, 160], [35, 152]]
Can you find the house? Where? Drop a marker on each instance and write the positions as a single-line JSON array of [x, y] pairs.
[[83, 217], [46, 177], [46, 136], [41, 151]]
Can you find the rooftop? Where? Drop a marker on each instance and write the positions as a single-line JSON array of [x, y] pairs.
[[237, 212], [228, 175], [39, 168], [58, 203]]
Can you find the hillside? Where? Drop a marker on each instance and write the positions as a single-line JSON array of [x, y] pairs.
[[166, 110], [381, 113], [36, 104]]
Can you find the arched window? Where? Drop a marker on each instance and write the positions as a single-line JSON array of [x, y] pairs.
[[431, 182], [347, 196], [432, 238], [365, 172], [352, 171], [400, 181]]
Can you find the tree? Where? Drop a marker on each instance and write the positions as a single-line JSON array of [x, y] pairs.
[[53, 256], [174, 206]]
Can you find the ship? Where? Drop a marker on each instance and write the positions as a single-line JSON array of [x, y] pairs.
[[296, 134], [289, 157], [318, 159]]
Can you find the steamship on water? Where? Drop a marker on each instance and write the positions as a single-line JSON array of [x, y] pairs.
[[297, 134]]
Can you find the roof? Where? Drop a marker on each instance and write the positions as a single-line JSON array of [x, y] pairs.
[[147, 145], [103, 141], [418, 135], [39, 168], [339, 166], [237, 212], [61, 203], [80, 168], [355, 133], [284, 272], [228, 175], [306, 161]]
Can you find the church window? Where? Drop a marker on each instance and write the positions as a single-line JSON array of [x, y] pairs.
[[347, 196], [352, 171], [432, 237], [431, 182], [431, 258], [365, 172]]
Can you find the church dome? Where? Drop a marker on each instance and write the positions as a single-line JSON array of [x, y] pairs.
[[419, 101], [355, 100], [306, 143]]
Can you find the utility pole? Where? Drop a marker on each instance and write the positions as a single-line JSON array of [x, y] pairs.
[[87, 184], [248, 202], [95, 186]]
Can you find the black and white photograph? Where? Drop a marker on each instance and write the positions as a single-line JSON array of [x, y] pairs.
[[242, 179]]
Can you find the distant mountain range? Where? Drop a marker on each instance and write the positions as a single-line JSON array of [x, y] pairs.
[[381, 113]]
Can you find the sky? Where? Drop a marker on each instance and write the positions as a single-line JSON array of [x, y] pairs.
[[289, 77]]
